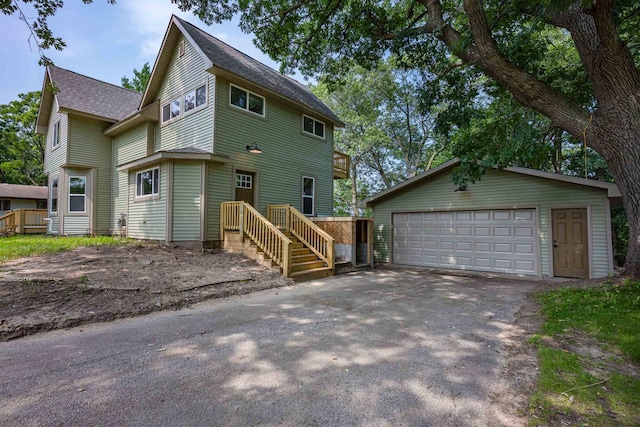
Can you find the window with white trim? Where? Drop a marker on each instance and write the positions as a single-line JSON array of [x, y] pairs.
[[195, 99], [56, 134], [312, 126], [147, 183], [53, 196], [244, 181], [171, 110], [308, 195], [245, 100], [78, 194]]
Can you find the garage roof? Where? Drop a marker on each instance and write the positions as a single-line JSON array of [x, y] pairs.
[[612, 189]]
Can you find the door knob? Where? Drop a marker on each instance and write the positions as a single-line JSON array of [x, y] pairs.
[[555, 245]]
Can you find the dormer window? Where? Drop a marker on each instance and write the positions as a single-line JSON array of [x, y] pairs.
[[245, 100], [312, 126]]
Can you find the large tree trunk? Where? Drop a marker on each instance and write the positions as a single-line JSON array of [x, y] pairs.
[[621, 149]]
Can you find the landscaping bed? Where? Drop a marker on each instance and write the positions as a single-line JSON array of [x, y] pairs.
[[101, 283]]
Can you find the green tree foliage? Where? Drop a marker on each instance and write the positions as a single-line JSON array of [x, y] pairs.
[[388, 134], [139, 80], [21, 149]]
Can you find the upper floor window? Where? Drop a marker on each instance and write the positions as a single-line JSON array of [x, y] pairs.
[[56, 134], [246, 100], [171, 110], [195, 99], [53, 196], [147, 183], [312, 126], [77, 194], [188, 102]]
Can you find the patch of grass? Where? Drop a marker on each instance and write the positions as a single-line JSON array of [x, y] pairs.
[[611, 313], [28, 245], [567, 392]]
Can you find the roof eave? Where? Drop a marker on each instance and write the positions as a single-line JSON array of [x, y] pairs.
[[147, 114], [423, 176], [46, 100], [165, 155], [87, 115]]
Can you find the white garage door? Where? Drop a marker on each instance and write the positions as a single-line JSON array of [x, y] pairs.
[[488, 240]]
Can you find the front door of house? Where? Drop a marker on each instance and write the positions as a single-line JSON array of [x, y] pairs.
[[570, 243], [245, 187]]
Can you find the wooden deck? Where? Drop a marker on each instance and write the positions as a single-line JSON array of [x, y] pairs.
[[24, 221], [341, 165]]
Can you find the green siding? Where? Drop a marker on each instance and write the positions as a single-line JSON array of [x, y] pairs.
[[89, 147], [192, 129], [287, 153], [54, 159], [128, 146], [218, 191], [148, 217], [501, 189], [76, 224], [187, 182]]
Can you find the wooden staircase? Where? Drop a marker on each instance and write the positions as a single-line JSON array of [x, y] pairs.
[[291, 244]]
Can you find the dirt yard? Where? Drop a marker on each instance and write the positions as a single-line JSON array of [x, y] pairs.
[[97, 284]]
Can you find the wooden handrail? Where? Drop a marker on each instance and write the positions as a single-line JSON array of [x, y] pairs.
[[242, 217], [20, 219], [8, 222], [319, 241]]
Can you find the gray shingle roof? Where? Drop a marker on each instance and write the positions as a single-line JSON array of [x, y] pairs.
[[232, 60], [19, 191], [91, 96]]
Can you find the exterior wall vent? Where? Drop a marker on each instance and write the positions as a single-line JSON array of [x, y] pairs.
[[181, 48]]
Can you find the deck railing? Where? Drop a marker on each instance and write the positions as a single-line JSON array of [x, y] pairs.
[[289, 219], [341, 165], [242, 217], [23, 221]]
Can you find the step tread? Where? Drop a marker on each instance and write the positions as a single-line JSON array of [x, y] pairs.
[[313, 270]]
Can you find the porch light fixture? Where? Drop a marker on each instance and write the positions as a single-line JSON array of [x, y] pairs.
[[253, 148]]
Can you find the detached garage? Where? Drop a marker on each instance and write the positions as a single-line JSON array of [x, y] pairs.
[[515, 220]]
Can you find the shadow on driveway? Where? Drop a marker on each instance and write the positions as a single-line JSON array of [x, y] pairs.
[[385, 347]]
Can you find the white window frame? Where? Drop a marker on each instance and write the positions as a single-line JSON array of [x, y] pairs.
[[244, 181], [51, 199], [324, 127], [55, 142], [246, 108], [171, 119], [155, 188], [312, 197], [84, 196], [195, 90]]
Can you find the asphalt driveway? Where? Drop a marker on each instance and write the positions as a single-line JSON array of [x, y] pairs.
[[388, 347]]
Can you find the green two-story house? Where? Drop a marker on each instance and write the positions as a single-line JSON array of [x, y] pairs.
[[213, 126]]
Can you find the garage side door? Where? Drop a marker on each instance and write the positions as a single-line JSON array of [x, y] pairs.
[[501, 241]]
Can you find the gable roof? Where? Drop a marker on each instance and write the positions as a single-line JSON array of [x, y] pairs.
[[612, 189], [19, 191], [86, 96], [221, 56]]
